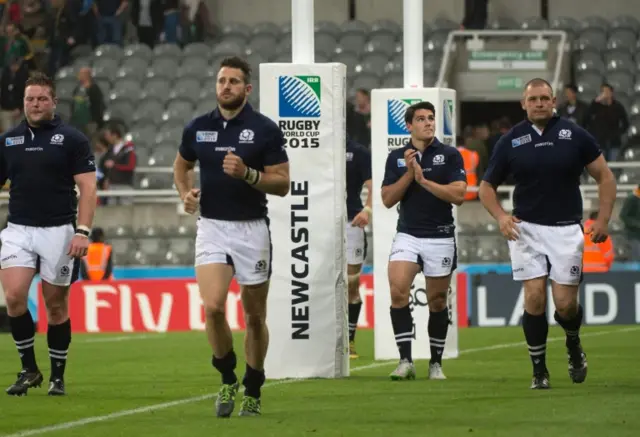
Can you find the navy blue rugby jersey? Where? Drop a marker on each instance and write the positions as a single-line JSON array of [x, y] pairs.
[[253, 137], [546, 167], [422, 214]]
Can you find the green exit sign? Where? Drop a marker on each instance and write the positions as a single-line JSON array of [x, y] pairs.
[[510, 83]]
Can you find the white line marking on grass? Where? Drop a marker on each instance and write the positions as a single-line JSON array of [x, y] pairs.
[[132, 337], [156, 407]]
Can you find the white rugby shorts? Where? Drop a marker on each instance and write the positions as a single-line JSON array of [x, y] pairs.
[[436, 256], [245, 245], [356, 244], [25, 246], [554, 251]]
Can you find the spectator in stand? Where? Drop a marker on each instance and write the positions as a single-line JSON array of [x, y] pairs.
[[108, 15], [62, 33], [359, 118], [16, 45], [148, 18], [101, 153], [573, 108], [607, 121], [171, 29], [12, 84], [87, 108], [120, 162], [630, 216], [34, 19]]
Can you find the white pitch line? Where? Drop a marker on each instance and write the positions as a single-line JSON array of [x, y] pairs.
[[156, 407], [131, 337]]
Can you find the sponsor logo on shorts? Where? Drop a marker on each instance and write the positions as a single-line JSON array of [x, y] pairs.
[[204, 253], [521, 140], [446, 262], [64, 271], [261, 266], [518, 270], [359, 252], [7, 258], [57, 139], [14, 141], [204, 136], [574, 271]]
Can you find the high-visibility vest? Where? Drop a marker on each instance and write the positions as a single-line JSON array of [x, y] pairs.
[[471, 160], [598, 257], [96, 260]]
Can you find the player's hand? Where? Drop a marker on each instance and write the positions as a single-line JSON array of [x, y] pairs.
[[598, 230], [79, 246], [409, 157], [191, 200], [417, 172], [361, 220], [234, 166], [508, 227]]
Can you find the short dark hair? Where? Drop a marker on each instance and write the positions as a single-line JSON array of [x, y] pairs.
[[41, 79], [607, 85], [115, 128], [364, 91], [571, 87], [538, 81], [411, 110], [240, 64]]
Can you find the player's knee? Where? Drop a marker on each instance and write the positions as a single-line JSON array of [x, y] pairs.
[[215, 310], [57, 310], [437, 301], [535, 302], [255, 321], [17, 301], [566, 308], [399, 297]]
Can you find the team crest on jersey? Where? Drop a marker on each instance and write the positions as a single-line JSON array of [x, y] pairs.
[[438, 160], [349, 156], [205, 136], [401, 162], [521, 140], [564, 134], [57, 139], [14, 141], [246, 136]]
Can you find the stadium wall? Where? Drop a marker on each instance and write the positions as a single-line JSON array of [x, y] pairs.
[[153, 299]]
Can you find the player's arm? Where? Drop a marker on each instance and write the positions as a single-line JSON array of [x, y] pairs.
[[454, 191], [495, 175], [275, 177], [84, 175], [395, 184], [600, 171], [184, 164]]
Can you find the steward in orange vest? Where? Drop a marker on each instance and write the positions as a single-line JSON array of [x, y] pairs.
[[471, 160], [97, 265], [598, 257]]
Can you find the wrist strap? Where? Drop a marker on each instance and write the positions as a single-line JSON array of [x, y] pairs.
[[251, 176]]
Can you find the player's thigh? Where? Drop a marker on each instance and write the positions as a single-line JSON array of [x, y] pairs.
[[52, 245], [18, 265], [356, 245], [565, 297], [528, 260], [251, 252], [404, 264], [535, 295], [214, 280], [565, 249]]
